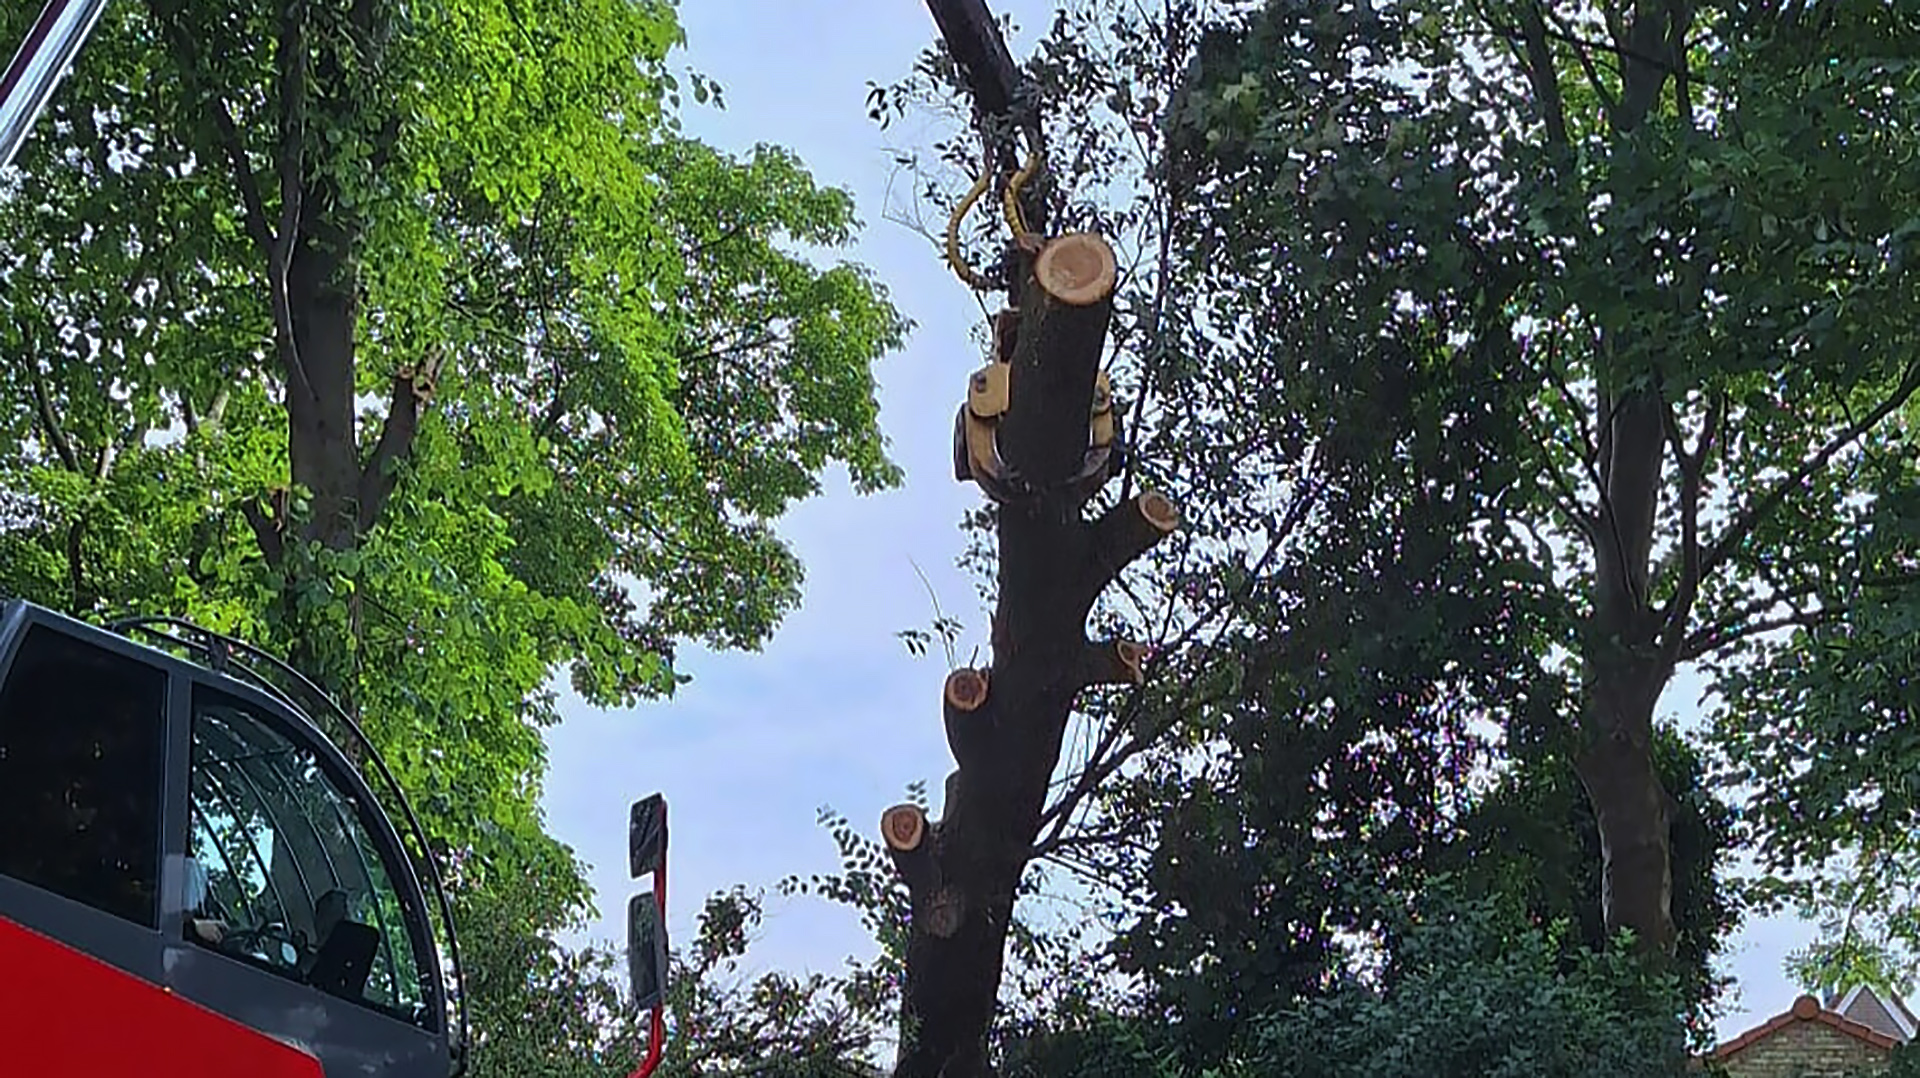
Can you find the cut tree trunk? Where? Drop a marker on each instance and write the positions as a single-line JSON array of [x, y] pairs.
[[1005, 724]]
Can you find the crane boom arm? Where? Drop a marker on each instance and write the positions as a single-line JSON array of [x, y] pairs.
[[42, 60]]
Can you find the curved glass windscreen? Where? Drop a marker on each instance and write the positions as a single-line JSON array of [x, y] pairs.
[[283, 873]]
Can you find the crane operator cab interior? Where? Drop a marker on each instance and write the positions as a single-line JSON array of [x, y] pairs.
[[198, 832]]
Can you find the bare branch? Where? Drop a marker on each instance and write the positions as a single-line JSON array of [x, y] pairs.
[[1542, 73], [1055, 843], [734, 349], [291, 58], [1551, 368], [1707, 642], [1565, 33], [1623, 51], [255, 210], [1115, 747], [1157, 350], [1564, 494], [1692, 480], [1110, 754], [275, 248], [726, 236], [1746, 620], [1125, 532], [227, 133]]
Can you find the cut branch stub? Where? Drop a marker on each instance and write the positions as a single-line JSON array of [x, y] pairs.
[[966, 690], [1125, 532], [904, 830], [969, 733], [1159, 511], [903, 827], [1077, 269], [1118, 662]]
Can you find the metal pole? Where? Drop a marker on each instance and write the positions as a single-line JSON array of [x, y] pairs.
[[37, 68]]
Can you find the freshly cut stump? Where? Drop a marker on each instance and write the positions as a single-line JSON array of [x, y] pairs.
[[1077, 269]]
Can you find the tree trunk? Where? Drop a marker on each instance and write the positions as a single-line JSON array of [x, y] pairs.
[[311, 256], [1005, 724], [1629, 649], [1626, 670], [1631, 807], [322, 446]]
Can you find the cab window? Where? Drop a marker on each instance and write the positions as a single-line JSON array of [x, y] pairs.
[[82, 733], [281, 871]]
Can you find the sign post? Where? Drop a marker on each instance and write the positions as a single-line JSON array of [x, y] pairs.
[[647, 956]]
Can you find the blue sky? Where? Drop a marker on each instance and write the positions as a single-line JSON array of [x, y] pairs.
[[834, 711]]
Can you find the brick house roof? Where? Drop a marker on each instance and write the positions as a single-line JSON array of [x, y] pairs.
[[1806, 1009]]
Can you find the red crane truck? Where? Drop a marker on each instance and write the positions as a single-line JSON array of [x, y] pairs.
[[196, 880]]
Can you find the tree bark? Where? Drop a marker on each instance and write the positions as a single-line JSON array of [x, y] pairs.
[[1626, 670], [1064, 315], [323, 447], [1005, 724], [1633, 811]]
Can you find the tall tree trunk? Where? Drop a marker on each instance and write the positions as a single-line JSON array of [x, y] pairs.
[[322, 444], [1632, 808], [323, 449], [1036, 433], [1034, 447], [1626, 670], [310, 254], [1628, 654]]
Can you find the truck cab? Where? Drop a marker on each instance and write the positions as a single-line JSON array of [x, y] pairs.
[[188, 844]]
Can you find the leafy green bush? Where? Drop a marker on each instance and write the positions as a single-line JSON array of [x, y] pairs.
[[1470, 990], [1475, 992]]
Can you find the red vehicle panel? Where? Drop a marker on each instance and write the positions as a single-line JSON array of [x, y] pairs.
[[66, 1013]]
